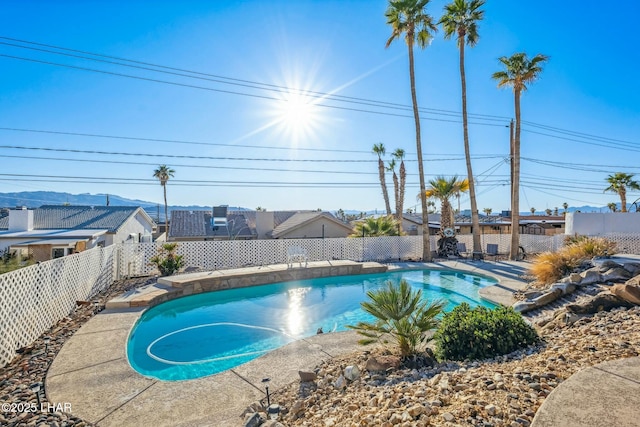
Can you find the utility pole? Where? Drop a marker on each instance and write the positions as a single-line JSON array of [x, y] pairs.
[[511, 158]]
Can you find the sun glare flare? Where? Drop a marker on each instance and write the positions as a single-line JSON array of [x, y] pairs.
[[298, 117]]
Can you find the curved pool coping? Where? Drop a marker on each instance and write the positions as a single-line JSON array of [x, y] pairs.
[[92, 373]]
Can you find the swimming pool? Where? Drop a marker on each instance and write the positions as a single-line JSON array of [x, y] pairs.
[[204, 334]]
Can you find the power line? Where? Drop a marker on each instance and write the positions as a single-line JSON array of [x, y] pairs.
[[284, 89], [192, 86], [200, 157], [238, 82]]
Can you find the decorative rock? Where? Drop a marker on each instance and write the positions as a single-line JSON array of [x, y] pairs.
[[306, 376], [491, 409], [628, 293], [603, 301], [253, 420], [523, 306], [590, 277], [416, 410], [632, 267], [382, 363], [448, 417], [574, 278], [340, 383], [565, 288], [617, 274], [604, 263], [352, 373]]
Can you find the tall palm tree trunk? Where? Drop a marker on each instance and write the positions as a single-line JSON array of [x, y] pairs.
[[383, 184], [623, 198], [515, 195], [396, 193], [403, 181], [426, 247], [475, 221], [166, 217]]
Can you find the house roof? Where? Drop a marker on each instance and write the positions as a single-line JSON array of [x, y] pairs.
[[200, 224], [110, 218], [300, 219], [52, 242]]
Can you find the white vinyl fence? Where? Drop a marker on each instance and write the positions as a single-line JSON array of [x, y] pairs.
[[216, 255], [34, 298]]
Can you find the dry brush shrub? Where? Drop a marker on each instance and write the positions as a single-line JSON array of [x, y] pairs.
[[549, 267]]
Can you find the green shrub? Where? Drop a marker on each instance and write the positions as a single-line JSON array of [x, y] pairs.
[[481, 333], [166, 259]]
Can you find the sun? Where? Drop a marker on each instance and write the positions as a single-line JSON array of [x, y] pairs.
[[297, 116]]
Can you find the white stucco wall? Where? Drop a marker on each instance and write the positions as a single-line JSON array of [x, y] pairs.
[[136, 225], [593, 223]]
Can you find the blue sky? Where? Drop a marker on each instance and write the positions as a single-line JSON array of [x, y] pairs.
[[238, 135]]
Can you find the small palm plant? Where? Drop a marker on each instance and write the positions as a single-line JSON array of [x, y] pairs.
[[376, 227], [400, 313], [166, 259]]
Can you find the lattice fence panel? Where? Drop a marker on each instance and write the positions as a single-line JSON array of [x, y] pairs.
[[628, 243], [34, 298]]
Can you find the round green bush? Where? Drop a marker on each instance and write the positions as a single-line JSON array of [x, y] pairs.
[[481, 333]]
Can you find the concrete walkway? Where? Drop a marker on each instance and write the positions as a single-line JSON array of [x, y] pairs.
[[607, 394], [93, 374]]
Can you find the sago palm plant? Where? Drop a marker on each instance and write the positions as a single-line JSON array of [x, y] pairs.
[[400, 314]]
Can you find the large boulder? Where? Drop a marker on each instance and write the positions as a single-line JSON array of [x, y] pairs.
[[544, 299], [547, 297], [634, 281], [565, 288], [523, 306], [604, 301], [617, 274], [590, 277], [574, 278], [628, 293], [604, 264], [632, 267]]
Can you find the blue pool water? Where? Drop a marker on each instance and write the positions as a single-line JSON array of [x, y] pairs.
[[208, 333]]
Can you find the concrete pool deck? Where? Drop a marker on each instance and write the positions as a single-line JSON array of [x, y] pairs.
[[92, 373]]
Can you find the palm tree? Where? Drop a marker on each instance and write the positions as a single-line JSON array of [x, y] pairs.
[[163, 173], [555, 211], [396, 183], [380, 151], [487, 211], [533, 211], [401, 313], [547, 211], [409, 18], [519, 72], [375, 227], [619, 183], [612, 207], [443, 189], [398, 155], [461, 19]]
